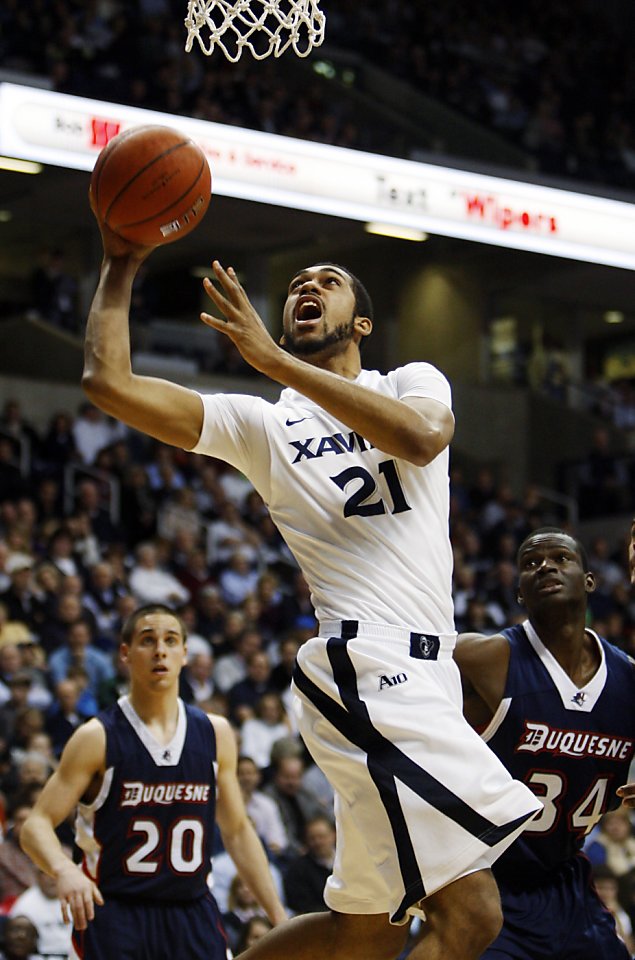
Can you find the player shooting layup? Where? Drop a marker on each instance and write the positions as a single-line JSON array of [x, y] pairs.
[[353, 467]]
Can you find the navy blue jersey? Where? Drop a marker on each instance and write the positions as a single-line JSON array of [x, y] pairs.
[[148, 833], [571, 746]]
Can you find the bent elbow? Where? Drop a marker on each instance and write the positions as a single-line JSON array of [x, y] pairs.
[[425, 447]]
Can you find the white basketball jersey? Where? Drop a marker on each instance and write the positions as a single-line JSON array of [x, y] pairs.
[[370, 531]]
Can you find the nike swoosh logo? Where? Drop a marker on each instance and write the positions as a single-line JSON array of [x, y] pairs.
[[290, 423]]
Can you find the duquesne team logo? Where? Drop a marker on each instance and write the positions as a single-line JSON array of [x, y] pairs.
[[543, 738], [134, 793]]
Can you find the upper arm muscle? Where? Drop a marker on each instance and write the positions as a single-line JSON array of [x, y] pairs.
[[164, 410], [82, 758]]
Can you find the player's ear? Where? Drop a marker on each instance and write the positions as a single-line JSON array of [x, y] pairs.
[[363, 326], [519, 599], [589, 582], [124, 651]]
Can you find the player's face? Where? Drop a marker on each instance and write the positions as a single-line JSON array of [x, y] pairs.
[[319, 312], [551, 572], [631, 554], [156, 653]]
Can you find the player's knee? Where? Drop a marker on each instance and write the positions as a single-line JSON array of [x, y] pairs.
[[483, 919]]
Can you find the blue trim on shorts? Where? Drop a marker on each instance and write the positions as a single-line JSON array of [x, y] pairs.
[[387, 761]]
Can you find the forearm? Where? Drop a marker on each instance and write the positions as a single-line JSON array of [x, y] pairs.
[[389, 424], [107, 341], [41, 844], [247, 852]]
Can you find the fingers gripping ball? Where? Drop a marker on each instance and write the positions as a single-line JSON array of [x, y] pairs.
[[151, 185]]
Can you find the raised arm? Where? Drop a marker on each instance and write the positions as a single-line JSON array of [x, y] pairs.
[[415, 429], [83, 759], [162, 409], [239, 837]]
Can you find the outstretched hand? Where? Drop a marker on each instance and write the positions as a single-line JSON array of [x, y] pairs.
[[114, 245], [78, 896], [239, 321], [627, 795]]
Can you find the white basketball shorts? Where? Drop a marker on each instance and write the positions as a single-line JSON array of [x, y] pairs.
[[421, 800]]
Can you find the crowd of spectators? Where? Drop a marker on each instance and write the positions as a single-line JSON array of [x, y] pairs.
[[75, 560], [558, 81]]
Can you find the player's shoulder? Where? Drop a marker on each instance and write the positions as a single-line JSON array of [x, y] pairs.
[[87, 744], [481, 649]]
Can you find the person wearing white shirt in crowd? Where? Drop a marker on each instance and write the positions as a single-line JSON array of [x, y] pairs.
[[151, 584], [258, 734], [41, 905], [262, 810]]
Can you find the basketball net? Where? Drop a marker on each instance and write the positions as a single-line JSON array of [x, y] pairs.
[[263, 27]]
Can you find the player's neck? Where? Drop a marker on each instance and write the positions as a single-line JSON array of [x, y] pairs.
[[574, 649], [159, 710]]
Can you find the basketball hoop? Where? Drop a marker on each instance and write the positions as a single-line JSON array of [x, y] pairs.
[[263, 27]]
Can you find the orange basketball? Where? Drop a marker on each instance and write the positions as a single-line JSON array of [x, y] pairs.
[[151, 185]]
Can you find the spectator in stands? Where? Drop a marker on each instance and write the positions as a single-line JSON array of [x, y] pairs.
[[253, 930], [53, 632], [231, 668], [12, 631], [200, 675], [64, 714], [150, 583], [58, 447], [242, 906], [607, 885], [228, 534], [306, 875], [138, 506], [211, 615], [244, 695], [79, 650], [61, 552], [239, 579], [259, 732], [41, 905], [295, 803], [17, 873], [100, 597], [262, 810], [92, 431], [20, 598], [613, 844], [19, 940]]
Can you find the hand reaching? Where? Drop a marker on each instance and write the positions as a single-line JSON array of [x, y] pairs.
[[239, 320]]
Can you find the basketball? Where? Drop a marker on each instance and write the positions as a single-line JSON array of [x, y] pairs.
[[151, 185]]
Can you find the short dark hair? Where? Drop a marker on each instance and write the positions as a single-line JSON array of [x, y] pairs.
[[130, 624], [556, 531]]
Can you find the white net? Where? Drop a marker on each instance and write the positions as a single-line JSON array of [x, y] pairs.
[[263, 27]]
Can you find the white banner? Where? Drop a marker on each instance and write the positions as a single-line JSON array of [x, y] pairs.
[[67, 131]]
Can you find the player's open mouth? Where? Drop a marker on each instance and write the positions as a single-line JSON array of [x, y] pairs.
[[308, 310]]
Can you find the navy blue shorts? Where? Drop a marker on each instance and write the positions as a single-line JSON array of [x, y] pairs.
[[138, 930], [564, 919]]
